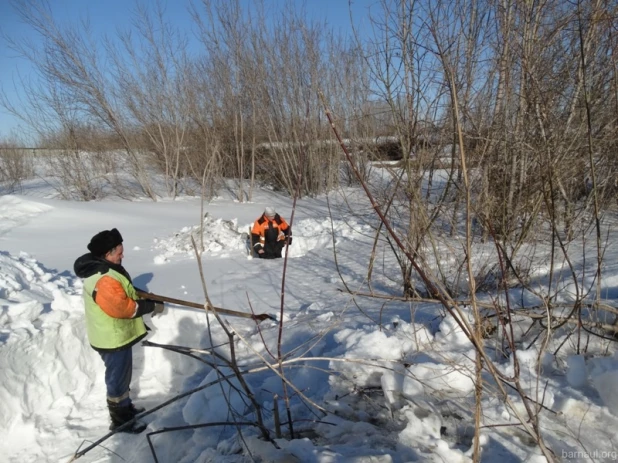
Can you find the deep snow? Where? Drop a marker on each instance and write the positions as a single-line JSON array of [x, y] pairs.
[[394, 391]]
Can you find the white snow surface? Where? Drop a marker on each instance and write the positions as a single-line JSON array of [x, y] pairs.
[[380, 382]]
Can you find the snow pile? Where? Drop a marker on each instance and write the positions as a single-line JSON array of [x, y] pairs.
[[219, 238], [15, 211], [224, 238], [392, 362], [603, 374], [47, 365], [371, 351]]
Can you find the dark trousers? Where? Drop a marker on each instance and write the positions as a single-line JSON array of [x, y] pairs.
[[272, 250], [118, 371]]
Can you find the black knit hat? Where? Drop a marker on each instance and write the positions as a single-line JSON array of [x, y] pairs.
[[104, 241]]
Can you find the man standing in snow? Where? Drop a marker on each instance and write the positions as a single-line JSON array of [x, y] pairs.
[[113, 320], [269, 234]]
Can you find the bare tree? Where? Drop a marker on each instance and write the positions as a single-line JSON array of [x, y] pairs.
[[69, 65], [16, 163], [153, 85]]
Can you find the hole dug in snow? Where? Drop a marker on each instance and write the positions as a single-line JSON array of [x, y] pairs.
[[223, 238]]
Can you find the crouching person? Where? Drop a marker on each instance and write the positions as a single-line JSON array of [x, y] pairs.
[[114, 321], [269, 234]]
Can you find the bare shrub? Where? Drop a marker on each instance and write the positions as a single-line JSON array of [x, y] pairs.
[[16, 165]]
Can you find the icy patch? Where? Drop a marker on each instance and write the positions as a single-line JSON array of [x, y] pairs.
[[577, 376], [605, 385], [603, 373]]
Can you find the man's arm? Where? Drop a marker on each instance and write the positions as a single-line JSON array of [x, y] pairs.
[[113, 300], [256, 235], [255, 239], [287, 231]]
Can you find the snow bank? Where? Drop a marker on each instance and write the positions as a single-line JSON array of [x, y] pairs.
[[47, 365], [220, 238], [367, 349], [451, 333], [225, 238], [603, 373], [15, 211]]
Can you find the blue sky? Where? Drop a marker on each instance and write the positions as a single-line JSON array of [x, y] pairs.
[[107, 15]]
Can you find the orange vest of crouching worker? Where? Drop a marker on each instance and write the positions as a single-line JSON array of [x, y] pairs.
[[269, 235]]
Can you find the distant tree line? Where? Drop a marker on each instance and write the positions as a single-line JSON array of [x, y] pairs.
[[535, 86], [535, 83], [528, 91]]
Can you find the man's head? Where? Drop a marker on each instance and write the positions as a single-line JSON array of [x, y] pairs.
[[270, 212], [107, 245]]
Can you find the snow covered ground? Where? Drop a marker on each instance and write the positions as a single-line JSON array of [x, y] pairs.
[[375, 380]]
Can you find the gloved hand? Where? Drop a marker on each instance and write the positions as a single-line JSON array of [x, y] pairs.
[[146, 306], [281, 236], [158, 308]]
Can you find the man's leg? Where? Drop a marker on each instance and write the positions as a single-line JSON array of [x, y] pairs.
[[279, 248], [118, 372]]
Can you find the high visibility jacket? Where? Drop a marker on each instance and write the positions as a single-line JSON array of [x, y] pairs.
[[269, 234], [109, 300]]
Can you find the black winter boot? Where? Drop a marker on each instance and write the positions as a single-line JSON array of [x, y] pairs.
[[121, 415], [137, 410]]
